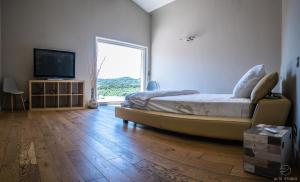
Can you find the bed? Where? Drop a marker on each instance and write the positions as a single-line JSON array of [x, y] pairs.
[[211, 115], [217, 105], [208, 115]]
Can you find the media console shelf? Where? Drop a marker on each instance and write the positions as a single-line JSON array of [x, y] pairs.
[[56, 94]]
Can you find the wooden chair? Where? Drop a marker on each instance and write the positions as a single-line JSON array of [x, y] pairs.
[[10, 88]]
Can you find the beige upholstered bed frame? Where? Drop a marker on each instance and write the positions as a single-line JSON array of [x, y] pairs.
[[267, 111]]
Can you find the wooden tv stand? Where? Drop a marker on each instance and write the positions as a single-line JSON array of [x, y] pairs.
[[56, 94]]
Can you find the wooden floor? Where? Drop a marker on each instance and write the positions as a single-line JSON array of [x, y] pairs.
[[94, 146]]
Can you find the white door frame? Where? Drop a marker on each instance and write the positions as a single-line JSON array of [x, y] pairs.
[[145, 57]]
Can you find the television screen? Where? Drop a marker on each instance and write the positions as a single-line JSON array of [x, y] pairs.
[[54, 64]]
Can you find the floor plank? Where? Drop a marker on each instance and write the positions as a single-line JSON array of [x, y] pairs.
[[63, 165], [28, 169], [10, 165], [94, 146], [84, 167]]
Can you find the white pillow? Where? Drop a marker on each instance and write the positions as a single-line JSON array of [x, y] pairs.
[[247, 83]]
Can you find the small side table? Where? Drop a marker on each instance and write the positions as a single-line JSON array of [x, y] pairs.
[[268, 154]]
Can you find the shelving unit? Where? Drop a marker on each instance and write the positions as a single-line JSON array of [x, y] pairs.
[[56, 94]]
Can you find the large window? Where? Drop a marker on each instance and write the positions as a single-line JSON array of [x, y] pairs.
[[121, 70]]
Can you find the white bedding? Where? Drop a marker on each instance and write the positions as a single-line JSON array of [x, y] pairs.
[[140, 99], [219, 105]]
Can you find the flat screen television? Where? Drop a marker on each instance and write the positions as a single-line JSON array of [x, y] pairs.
[[53, 63]]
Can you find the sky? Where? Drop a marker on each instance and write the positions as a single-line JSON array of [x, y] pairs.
[[120, 61]]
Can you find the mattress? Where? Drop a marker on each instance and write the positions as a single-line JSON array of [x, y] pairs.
[[223, 105]]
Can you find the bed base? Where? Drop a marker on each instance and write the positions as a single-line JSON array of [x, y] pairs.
[[214, 127], [267, 111]]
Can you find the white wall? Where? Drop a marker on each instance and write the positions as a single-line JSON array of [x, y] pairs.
[[66, 25], [290, 52], [234, 36]]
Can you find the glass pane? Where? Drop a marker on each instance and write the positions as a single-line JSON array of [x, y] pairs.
[[120, 70]]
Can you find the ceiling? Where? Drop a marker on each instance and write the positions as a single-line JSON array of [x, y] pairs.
[[151, 5]]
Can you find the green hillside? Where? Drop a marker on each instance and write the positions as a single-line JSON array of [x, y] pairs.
[[118, 86]]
